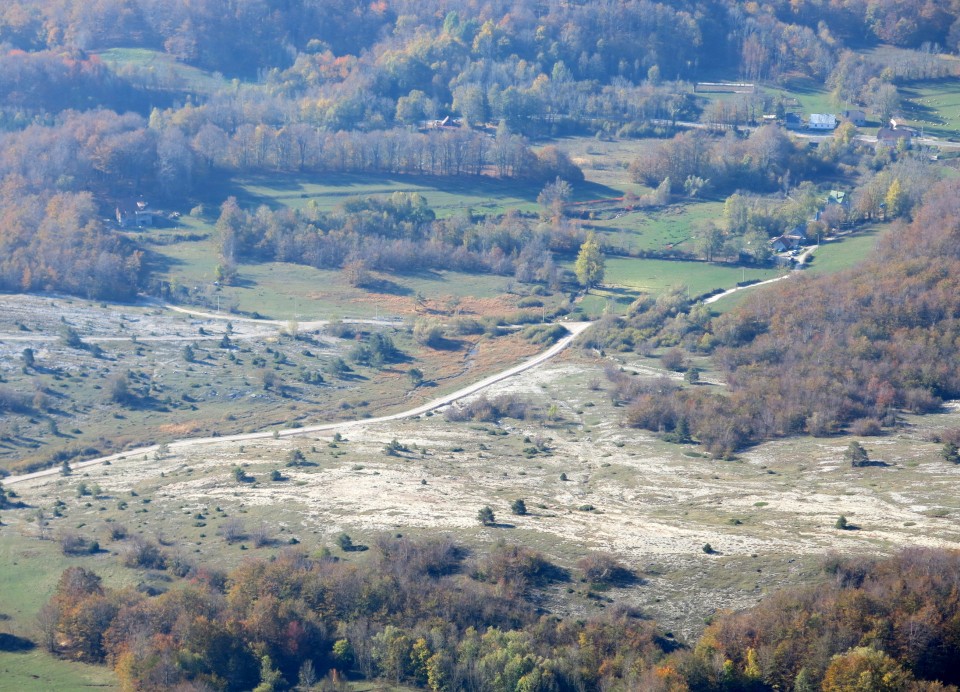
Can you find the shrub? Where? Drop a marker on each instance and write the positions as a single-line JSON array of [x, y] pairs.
[[428, 333], [144, 554], [486, 516], [856, 454], [866, 427], [674, 359], [233, 531], [516, 568], [518, 507], [545, 335], [602, 568], [74, 544], [490, 410]]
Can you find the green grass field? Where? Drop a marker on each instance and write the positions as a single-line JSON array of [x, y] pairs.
[[280, 290], [447, 196], [659, 276], [933, 106], [841, 254], [812, 96], [655, 230], [164, 68]]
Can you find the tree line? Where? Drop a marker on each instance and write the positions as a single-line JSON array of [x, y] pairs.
[[394, 234], [422, 615]]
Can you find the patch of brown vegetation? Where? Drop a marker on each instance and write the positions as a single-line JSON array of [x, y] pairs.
[[178, 429]]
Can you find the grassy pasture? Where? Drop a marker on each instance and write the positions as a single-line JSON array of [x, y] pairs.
[[844, 253], [447, 196], [285, 291], [165, 69], [933, 106], [655, 230], [29, 570], [659, 276]]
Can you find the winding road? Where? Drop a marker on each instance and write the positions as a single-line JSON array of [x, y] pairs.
[[575, 329]]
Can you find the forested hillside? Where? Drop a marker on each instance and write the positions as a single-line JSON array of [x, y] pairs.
[[821, 355]]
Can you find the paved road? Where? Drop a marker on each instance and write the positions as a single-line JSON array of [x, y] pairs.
[[801, 262], [809, 135], [575, 328]]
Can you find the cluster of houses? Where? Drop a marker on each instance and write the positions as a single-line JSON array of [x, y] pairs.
[[794, 239], [825, 122]]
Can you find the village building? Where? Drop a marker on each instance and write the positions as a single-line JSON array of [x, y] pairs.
[[822, 121], [134, 214], [855, 116]]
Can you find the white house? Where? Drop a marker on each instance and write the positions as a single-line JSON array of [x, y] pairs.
[[822, 121]]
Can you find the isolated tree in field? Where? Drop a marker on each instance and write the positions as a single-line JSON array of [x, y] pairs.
[[950, 453], [416, 376], [28, 359], [842, 523], [856, 454], [356, 273], [229, 227], [589, 266], [518, 507], [708, 240], [119, 389], [428, 333], [554, 197], [486, 517]]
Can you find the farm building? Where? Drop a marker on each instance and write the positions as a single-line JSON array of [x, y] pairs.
[[134, 214], [822, 121], [855, 116], [892, 136]]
